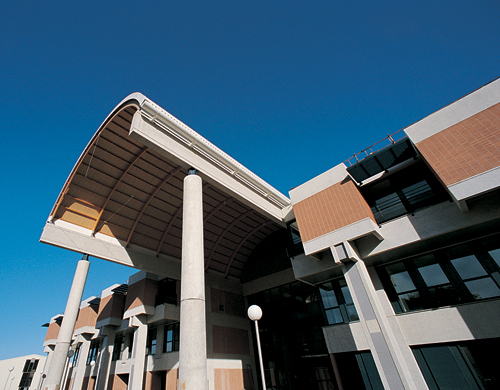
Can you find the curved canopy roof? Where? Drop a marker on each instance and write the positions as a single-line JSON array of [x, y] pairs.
[[123, 199]]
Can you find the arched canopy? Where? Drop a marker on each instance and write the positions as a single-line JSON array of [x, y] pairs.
[[123, 199]]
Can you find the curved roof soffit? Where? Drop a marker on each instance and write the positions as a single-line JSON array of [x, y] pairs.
[[133, 100], [121, 188]]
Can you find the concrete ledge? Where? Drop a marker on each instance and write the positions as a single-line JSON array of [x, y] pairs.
[[480, 320], [77, 239], [348, 233], [319, 183], [476, 185]]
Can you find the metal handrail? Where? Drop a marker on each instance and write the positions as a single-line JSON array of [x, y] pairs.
[[369, 150]]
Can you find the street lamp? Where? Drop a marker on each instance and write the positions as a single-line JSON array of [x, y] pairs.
[[12, 380], [255, 314], [11, 368], [69, 355], [40, 382]]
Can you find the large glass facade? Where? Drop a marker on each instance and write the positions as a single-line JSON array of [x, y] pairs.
[[465, 365], [463, 273], [294, 348]]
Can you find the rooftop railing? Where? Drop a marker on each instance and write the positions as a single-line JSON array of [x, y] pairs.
[[383, 143]]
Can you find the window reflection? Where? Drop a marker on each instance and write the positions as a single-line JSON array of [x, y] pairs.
[[459, 274], [337, 302]]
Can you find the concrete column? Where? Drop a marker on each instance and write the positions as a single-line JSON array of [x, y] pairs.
[[56, 369], [138, 352], [392, 356], [109, 333], [193, 332], [81, 363]]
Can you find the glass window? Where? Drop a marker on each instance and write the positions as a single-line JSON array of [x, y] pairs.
[[94, 349], [352, 314], [483, 288], [408, 296], [446, 367], [468, 267], [403, 192], [475, 277], [171, 338], [118, 348], [167, 292], [433, 275], [495, 254], [459, 274], [337, 302], [75, 356], [151, 344]]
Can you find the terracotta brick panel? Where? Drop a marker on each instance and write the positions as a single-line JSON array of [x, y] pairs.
[[465, 149], [230, 340], [232, 379], [333, 208], [111, 307], [117, 382], [52, 331], [172, 377], [86, 317]]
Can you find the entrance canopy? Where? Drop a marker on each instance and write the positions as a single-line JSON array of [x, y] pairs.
[[123, 199]]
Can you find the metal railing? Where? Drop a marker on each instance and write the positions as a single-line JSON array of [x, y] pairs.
[[391, 139]]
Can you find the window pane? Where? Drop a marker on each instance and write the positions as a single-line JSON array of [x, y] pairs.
[[483, 288], [334, 316], [353, 314], [402, 282], [388, 207], [411, 301], [328, 297], [496, 255], [347, 295], [433, 275], [468, 267], [418, 192], [445, 295]]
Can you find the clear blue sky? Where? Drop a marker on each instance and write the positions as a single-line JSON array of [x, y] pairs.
[[288, 88]]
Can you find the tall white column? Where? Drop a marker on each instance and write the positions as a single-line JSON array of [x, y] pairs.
[[56, 369], [193, 333], [138, 351]]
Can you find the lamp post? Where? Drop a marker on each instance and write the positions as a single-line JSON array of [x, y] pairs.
[[11, 368], [11, 380], [40, 382], [255, 314], [69, 355]]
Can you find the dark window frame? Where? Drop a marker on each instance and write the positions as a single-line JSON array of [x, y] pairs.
[[459, 292], [173, 342], [405, 198]]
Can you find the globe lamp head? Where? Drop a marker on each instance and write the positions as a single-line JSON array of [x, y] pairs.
[[254, 313]]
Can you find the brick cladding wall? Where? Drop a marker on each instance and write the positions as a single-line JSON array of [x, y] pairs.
[[466, 149], [333, 208]]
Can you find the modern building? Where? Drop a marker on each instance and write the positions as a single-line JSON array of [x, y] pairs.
[[22, 373], [381, 273]]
